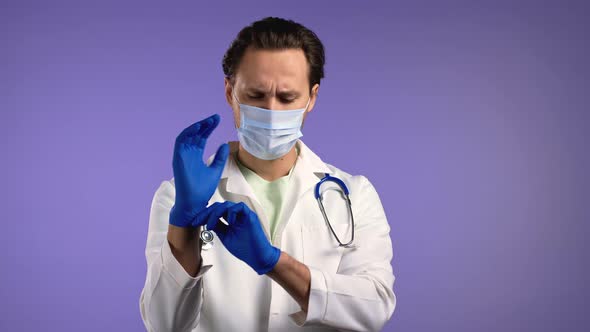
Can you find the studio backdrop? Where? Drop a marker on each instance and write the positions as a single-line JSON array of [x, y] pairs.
[[470, 118]]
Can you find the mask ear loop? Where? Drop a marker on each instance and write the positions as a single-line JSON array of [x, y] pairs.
[[308, 101], [233, 92]]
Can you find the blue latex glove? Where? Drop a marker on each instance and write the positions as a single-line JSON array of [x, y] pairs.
[[195, 182], [244, 236]]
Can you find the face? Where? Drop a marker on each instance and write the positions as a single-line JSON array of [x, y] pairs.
[[271, 79]]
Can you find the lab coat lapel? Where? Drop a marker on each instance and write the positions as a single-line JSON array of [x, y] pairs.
[[236, 183], [309, 169], [233, 182]]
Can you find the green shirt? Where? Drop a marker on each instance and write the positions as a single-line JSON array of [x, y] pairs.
[[270, 194]]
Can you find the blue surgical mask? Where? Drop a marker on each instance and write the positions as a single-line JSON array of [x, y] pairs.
[[269, 134]]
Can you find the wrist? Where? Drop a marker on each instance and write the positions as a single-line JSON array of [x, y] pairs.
[[180, 217], [271, 261], [184, 238]]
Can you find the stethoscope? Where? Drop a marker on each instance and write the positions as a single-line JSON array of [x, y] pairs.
[[319, 198], [207, 236]]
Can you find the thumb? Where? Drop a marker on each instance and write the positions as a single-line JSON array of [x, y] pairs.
[[220, 156]]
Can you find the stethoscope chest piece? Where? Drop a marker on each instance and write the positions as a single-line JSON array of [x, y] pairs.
[[207, 238]]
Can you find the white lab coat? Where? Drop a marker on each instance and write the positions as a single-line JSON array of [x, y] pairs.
[[351, 289]]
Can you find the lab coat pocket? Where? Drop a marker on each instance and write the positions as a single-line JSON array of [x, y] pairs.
[[320, 248]]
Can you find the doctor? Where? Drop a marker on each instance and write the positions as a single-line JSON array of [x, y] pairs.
[[275, 264]]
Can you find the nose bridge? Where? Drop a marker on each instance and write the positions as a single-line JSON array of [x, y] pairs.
[[272, 103]]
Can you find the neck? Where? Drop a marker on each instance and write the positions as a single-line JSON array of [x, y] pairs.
[[269, 170]]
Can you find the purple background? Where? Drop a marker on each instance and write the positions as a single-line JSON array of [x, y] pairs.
[[471, 119]]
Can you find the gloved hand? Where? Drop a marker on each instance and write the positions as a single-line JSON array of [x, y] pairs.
[[195, 182], [244, 237]]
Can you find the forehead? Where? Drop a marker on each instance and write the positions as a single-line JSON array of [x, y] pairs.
[[273, 69]]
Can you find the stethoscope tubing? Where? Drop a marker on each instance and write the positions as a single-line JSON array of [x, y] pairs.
[[319, 198], [207, 236]]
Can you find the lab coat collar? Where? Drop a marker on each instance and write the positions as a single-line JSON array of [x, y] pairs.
[[308, 171], [309, 162], [308, 167]]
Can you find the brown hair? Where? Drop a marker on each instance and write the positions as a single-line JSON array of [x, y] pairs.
[[276, 33]]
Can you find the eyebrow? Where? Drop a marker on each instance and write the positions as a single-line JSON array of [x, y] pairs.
[[283, 93]]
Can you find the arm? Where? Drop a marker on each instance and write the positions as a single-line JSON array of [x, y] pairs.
[[185, 244], [171, 299], [294, 277], [359, 297], [172, 296]]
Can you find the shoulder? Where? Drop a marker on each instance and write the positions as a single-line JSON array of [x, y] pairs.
[[366, 204], [166, 192], [357, 184]]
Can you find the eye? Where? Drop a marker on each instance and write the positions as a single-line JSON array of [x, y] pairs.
[[287, 101], [255, 97]]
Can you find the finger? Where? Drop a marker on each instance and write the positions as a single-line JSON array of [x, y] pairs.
[[220, 210], [203, 216], [242, 209], [236, 213], [220, 157], [221, 230], [209, 125], [244, 212], [212, 123], [218, 226], [188, 132], [231, 217], [196, 129]]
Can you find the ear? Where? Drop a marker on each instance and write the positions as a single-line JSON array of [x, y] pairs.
[[313, 96], [229, 87], [228, 91]]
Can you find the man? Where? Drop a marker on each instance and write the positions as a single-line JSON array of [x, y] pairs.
[[275, 263]]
